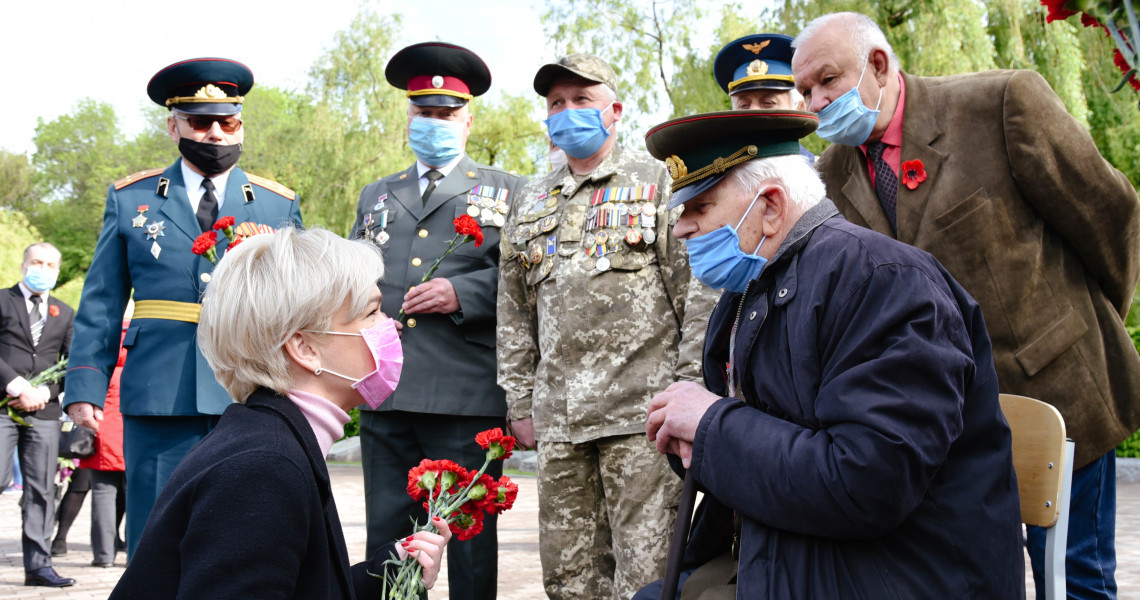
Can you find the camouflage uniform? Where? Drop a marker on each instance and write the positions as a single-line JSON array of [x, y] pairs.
[[597, 313]]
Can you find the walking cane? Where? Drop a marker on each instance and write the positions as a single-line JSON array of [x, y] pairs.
[[680, 537]]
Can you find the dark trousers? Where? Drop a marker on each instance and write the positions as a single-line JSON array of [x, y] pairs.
[[391, 443], [39, 449], [153, 447], [1090, 555]]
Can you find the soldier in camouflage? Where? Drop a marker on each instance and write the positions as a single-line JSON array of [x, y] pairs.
[[597, 312]]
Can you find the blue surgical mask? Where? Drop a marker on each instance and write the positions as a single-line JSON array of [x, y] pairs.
[[39, 280], [434, 141], [847, 121], [579, 132], [717, 261]]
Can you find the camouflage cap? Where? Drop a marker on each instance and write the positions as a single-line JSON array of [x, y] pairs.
[[586, 66]]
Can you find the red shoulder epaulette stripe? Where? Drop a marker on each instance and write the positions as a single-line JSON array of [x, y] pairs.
[[141, 175], [272, 186]]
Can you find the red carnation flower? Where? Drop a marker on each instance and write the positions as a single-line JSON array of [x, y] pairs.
[[53, 310], [913, 173], [236, 241], [204, 246], [1057, 10], [1122, 64], [465, 225], [223, 223], [497, 445], [507, 492], [468, 522]]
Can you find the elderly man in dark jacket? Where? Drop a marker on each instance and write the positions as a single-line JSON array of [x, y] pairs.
[[851, 419]]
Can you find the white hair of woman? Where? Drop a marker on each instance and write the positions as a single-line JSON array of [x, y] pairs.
[[271, 286]]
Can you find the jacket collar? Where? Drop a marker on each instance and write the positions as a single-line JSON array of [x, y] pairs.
[[267, 400]]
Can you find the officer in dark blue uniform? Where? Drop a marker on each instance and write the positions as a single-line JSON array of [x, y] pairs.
[[448, 390], [169, 397], [756, 72]]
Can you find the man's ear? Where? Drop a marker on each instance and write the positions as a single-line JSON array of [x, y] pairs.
[[172, 128], [881, 65], [776, 210], [299, 348]]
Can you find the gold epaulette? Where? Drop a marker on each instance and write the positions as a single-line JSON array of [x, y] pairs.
[[141, 175], [272, 186]]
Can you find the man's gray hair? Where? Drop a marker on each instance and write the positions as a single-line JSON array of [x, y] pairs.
[[47, 245], [865, 34], [272, 286], [799, 179]]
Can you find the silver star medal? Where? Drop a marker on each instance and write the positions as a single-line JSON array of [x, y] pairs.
[[139, 221], [154, 230]]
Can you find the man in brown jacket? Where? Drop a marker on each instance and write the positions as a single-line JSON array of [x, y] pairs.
[[991, 175]]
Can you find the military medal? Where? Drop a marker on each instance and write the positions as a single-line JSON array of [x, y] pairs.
[[380, 202], [155, 250], [473, 211], [499, 220], [382, 237], [648, 235], [536, 253], [154, 230], [549, 223], [632, 237], [140, 220], [603, 263]]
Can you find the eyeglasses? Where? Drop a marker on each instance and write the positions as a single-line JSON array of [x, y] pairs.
[[205, 122]]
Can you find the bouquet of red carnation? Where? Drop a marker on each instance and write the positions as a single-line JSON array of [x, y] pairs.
[[460, 497], [204, 244], [1117, 18], [466, 230]]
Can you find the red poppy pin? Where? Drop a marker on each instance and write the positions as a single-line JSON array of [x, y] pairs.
[[913, 173], [53, 310]]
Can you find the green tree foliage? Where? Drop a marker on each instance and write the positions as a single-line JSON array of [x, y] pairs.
[[78, 156], [644, 42], [19, 192]]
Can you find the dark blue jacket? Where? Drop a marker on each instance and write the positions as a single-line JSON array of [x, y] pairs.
[[869, 457], [249, 513]]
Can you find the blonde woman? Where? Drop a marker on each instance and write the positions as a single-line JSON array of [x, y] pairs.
[[291, 326]]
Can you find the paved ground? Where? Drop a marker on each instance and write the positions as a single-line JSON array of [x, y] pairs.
[[519, 573]]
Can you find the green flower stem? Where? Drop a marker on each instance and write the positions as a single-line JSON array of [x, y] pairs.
[[455, 243]]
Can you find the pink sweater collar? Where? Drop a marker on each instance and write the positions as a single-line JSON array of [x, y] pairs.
[[326, 419]]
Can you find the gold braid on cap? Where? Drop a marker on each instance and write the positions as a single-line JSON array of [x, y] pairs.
[[209, 94], [718, 166]]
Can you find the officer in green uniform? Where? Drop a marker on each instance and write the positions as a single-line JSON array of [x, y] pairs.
[[447, 392], [169, 396]]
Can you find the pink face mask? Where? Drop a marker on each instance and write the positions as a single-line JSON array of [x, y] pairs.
[[384, 342]]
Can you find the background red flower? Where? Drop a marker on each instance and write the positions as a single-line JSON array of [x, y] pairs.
[[53, 310], [223, 223]]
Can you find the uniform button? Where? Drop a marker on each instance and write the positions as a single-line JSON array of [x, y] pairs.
[[416, 262], [782, 293], [206, 277], [423, 233], [752, 317], [411, 323]]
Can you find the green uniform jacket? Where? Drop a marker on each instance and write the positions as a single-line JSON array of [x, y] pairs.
[[1022, 209], [449, 360]]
